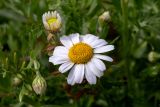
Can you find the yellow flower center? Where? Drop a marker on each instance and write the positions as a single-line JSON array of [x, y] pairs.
[[52, 20], [80, 53]]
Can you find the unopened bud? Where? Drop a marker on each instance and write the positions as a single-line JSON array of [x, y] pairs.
[[153, 56], [16, 81], [52, 21], [105, 17], [39, 85]]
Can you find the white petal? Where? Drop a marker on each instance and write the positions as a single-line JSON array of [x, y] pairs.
[[92, 36], [45, 14], [103, 57], [46, 25], [75, 38], [79, 73], [71, 76], [91, 78], [60, 51], [58, 60], [94, 69], [66, 66], [99, 43], [44, 18], [54, 14], [59, 18], [49, 15], [104, 49], [99, 64], [66, 41], [89, 38], [92, 43]]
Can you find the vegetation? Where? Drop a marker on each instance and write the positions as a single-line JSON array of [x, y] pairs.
[[132, 80]]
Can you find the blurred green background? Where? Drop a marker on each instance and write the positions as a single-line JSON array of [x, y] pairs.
[[132, 80]]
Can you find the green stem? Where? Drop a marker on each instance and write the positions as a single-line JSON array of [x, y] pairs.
[[38, 73], [125, 42], [124, 6], [56, 38]]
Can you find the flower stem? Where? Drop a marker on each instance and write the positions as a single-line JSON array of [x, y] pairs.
[[124, 6], [125, 43]]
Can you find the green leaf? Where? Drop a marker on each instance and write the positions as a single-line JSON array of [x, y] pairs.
[[139, 52], [23, 92]]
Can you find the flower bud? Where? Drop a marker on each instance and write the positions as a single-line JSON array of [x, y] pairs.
[[16, 81], [105, 17], [153, 56], [51, 21], [39, 85]]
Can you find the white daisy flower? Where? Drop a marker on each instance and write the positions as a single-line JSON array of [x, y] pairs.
[[83, 55], [52, 21]]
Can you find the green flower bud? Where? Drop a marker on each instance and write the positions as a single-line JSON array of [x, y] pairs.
[[16, 81], [153, 56], [105, 17], [39, 85]]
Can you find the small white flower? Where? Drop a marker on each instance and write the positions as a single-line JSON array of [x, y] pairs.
[[81, 54], [52, 21]]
